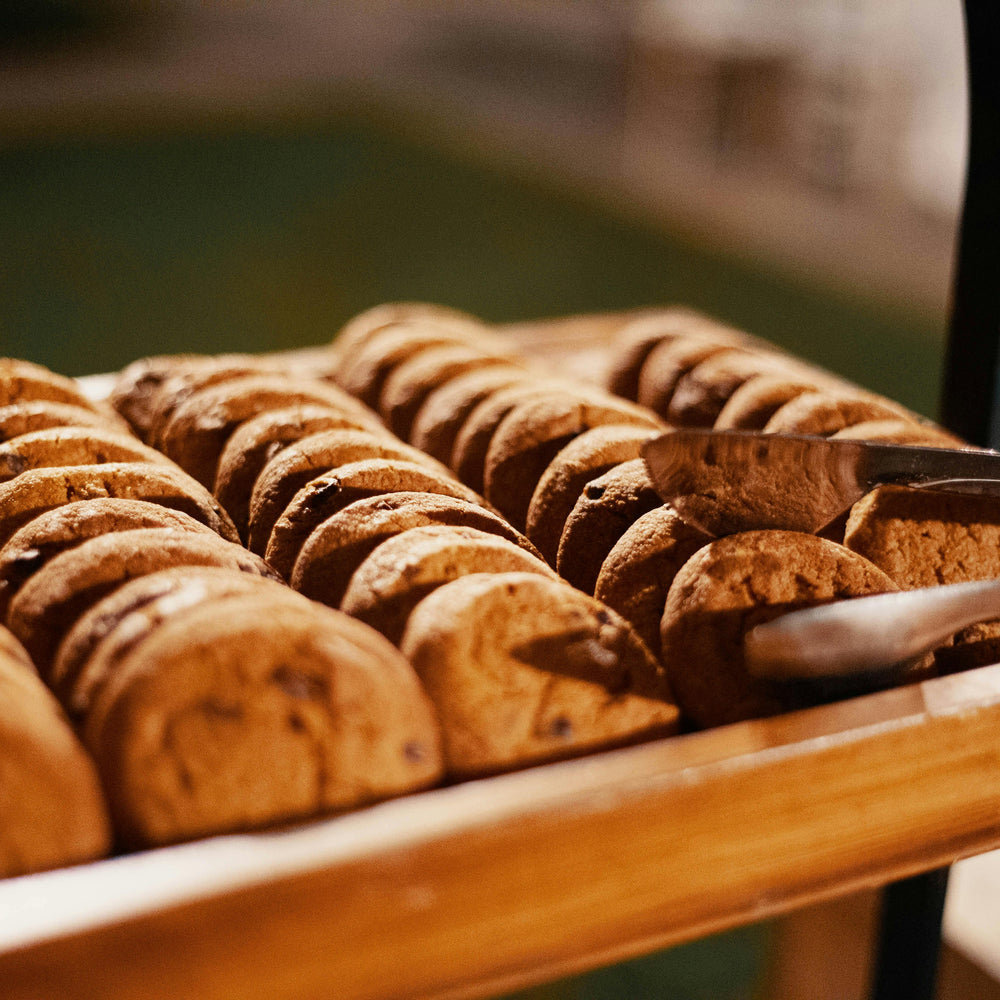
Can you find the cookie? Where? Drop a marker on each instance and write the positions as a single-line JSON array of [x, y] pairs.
[[98, 639], [24, 381], [212, 724], [327, 494], [531, 435], [584, 458], [442, 413], [733, 584], [900, 432], [753, 404], [524, 669], [299, 463], [32, 493], [637, 573], [468, 457], [54, 809], [41, 414], [64, 527], [45, 607], [256, 441], [198, 429], [355, 333], [413, 380], [668, 362], [403, 569], [826, 412], [922, 538], [337, 546], [632, 344], [71, 446], [605, 509]]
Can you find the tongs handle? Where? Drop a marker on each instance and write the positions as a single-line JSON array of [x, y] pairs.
[[867, 635]]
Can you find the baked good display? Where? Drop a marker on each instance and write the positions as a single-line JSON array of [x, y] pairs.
[[503, 584], [523, 669], [446, 407]]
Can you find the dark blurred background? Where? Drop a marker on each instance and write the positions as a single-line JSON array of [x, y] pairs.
[[215, 175]]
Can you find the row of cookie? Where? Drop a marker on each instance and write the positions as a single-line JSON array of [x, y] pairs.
[[56, 443], [697, 372], [497, 425], [73, 570], [168, 648], [359, 520]]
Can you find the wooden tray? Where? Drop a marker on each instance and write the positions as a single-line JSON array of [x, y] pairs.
[[505, 882]]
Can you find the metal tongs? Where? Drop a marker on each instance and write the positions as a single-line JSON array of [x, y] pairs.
[[874, 635]]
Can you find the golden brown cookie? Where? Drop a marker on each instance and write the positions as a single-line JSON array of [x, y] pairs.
[[901, 432], [414, 379], [65, 446], [733, 584], [299, 463], [255, 442], [632, 344], [198, 428], [403, 569], [531, 435], [468, 456], [605, 509], [98, 639], [54, 809], [525, 669], [45, 607], [354, 334], [445, 409], [921, 538], [638, 571], [586, 457], [826, 412], [753, 404], [213, 724], [327, 494], [41, 414], [64, 527], [336, 547], [24, 381]]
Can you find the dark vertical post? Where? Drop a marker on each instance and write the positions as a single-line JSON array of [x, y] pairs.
[[970, 398]]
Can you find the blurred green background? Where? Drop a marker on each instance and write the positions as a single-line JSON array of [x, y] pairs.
[[256, 239]]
